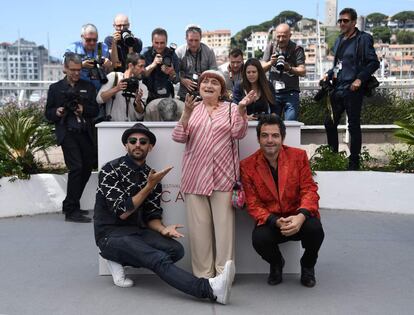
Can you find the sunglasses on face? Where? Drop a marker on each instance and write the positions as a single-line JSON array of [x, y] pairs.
[[142, 141], [88, 40], [345, 21]]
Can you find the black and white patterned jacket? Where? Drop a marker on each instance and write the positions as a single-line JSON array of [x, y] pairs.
[[119, 180]]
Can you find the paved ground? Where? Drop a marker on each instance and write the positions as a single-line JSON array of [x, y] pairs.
[[48, 266]]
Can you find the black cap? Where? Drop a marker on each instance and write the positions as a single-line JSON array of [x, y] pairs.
[[138, 128]]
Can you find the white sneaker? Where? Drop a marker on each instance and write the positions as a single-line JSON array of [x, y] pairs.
[[221, 284], [118, 275]]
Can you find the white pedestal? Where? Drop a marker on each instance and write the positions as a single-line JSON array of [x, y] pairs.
[[167, 152]]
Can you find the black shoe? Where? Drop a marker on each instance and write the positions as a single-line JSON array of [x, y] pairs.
[[307, 277], [77, 217], [275, 275], [83, 212], [353, 165]]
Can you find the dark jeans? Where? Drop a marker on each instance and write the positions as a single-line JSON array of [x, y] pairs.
[[266, 239], [79, 154], [289, 103], [351, 102], [149, 249]]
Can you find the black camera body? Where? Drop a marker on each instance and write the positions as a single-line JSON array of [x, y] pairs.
[[128, 38], [132, 87], [167, 55], [72, 98], [97, 72]]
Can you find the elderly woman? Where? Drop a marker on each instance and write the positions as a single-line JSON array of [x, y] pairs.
[[254, 78], [208, 129]]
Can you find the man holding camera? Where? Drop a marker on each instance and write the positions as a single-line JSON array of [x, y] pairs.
[[95, 62], [122, 43], [161, 72], [286, 63], [195, 58], [124, 94], [71, 106], [355, 61]]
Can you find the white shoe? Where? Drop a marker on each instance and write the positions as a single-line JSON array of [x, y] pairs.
[[118, 275], [221, 284]]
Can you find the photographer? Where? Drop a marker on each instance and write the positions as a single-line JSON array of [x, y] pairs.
[[122, 43], [195, 58], [161, 72], [286, 63], [124, 94], [71, 106], [355, 61], [95, 62]]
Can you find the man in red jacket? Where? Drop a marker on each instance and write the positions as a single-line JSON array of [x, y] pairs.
[[282, 197]]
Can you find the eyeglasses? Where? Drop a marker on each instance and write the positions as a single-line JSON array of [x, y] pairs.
[[345, 21], [142, 141], [122, 25], [88, 40]]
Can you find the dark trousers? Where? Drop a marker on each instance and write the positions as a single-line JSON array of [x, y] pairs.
[[266, 238], [351, 102], [149, 249], [79, 155]]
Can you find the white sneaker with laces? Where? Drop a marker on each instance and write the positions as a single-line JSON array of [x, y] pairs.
[[118, 275], [221, 284]]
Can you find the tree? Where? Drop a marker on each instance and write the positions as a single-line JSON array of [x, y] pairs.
[[376, 19], [403, 16], [405, 37], [330, 39], [289, 17], [258, 54], [382, 33]]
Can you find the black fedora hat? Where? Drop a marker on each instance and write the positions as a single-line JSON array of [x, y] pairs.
[[138, 128]]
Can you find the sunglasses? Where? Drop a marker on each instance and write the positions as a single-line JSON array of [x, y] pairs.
[[88, 40], [142, 141], [345, 21]]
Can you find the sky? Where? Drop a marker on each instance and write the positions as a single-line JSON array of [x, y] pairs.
[[61, 21]]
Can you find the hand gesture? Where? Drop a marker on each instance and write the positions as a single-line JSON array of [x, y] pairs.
[[155, 177], [122, 85], [248, 99], [356, 85], [89, 64], [116, 36], [107, 64], [171, 231], [190, 85], [251, 117], [157, 60], [190, 103], [290, 225], [139, 93], [60, 111], [79, 110], [167, 70]]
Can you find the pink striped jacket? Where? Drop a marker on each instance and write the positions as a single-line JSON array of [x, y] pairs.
[[207, 161]]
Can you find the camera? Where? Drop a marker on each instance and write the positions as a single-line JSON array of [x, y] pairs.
[[128, 38], [325, 90], [72, 98], [97, 72], [167, 58], [132, 87], [280, 63]]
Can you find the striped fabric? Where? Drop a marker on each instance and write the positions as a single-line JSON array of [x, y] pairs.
[[207, 161]]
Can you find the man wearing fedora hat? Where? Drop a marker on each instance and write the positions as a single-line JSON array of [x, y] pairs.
[[129, 228]]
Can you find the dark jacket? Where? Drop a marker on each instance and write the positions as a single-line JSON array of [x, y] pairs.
[[56, 98], [119, 180], [359, 60]]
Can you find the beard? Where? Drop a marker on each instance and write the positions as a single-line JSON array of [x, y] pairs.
[[137, 155]]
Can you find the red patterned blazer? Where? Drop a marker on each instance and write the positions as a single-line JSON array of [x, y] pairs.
[[297, 189]]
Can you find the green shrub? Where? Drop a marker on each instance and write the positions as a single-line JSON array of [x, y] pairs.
[[382, 108], [401, 160], [324, 159], [23, 132]]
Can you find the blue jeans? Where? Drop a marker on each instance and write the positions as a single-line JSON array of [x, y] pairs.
[[289, 102], [149, 249]]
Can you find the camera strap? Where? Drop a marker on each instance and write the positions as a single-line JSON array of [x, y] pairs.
[[99, 55], [113, 96]]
